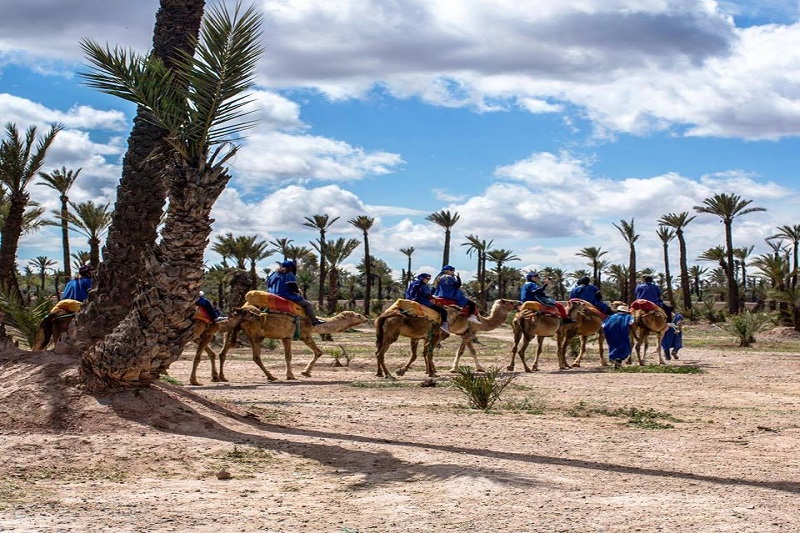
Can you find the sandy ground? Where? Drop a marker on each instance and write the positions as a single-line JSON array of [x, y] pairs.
[[344, 451]]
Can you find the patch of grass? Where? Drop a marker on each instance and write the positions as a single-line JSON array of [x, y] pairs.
[[640, 418], [659, 369], [481, 390], [169, 379], [527, 404], [247, 455]]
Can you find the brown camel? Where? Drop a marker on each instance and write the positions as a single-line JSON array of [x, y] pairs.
[[204, 333], [467, 330], [646, 322], [55, 324], [259, 326], [587, 322], [528, 324], [398, 320]]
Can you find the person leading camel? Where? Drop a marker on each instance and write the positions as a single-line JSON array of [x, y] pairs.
[[586, 291], [283, 283], [672, 341], [532, 291], [448, 286], [420, 291], [78, 288], [616, 329]]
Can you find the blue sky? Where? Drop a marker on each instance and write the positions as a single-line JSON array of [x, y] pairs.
[[540, 123]]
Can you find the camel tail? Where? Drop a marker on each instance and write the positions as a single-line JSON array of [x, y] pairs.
[[379, 332], [43, 334]]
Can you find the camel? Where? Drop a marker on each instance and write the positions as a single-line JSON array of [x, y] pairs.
[[648, 319], [396, 321], [467, 330], [55, 324], [258, 326], [204, 333], [528, 324], [587, 323]]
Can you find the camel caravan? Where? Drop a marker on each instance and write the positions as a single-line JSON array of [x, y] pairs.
[[267, 316]]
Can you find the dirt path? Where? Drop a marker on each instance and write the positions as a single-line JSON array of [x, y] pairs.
[[345, 452]]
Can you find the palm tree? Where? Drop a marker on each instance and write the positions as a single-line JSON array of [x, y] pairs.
[[716, 255], [335, 254], [678, 221], [80, 258], [407, 252], [364, 223], [593, 254], [142, 191], [201, 117], [728, 207], [43, 264], [230, 247], [61, 181], [696, 272], [90, 220], [741, 255], [666, 235], [447, 220], [321, 223], [298, 253], [31, 219], [791, 233], [500, 257], [479, 247], [629, 234], [619, 276], [21, 159], [283, 246]]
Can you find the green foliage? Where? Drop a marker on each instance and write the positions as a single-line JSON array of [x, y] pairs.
[[482, 390], [527, 404], [169, 379], [22, 320], [640, 418], [705, 309], [745, 325]]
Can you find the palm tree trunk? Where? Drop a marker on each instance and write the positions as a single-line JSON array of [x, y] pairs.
[[154, 332], [11, 232], [632, 272], [733, 289], [667, 276], [686, 288], [65, 236], [446, 253], [141, 193], [368, 275]]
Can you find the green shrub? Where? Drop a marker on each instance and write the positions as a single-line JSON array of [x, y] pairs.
[[22, 320], [746, 324], [482, 390]]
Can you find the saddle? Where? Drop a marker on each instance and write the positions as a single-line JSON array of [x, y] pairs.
[[645, 305], [65, 307], [201, 315], [444, 302], [538, 307], [410, 307], [267, 302], [590, 308]]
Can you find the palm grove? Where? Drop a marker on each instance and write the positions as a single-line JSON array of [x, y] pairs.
[[191, 92]]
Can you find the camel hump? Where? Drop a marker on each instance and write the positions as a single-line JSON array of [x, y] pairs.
[[644, 305], [588, 306], [410, 307]]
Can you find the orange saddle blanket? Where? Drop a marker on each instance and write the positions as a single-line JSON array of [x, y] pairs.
[[538, 307], [416, 309], [644, 305], [272, 302], [591, 308]]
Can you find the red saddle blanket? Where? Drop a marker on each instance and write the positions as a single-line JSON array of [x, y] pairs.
[[589, 307], [273, 302], [447, 301], [643, 305], [202, 315]]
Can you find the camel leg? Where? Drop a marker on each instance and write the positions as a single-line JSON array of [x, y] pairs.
[[601, 339], [381, 360], [212, 357], [405, 368], [539, 344], [517, 336], [229, 338], [430, 367], [256, 345], [562, 342], [459, 353], [581, 352], [660, 337], [287, 355], [474, 353], [317, 354]]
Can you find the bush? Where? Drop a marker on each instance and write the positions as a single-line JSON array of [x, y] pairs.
[[745, 325], [482, 390], [705, 309]]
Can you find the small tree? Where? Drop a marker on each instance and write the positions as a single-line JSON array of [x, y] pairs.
[[481, 390]]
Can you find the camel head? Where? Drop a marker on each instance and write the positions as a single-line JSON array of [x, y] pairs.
[[341, 322], [506, 305]]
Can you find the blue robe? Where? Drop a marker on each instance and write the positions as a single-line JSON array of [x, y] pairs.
[[673, 340], [591, 294], [449, 287], [617, 331], [77, 289], [420, 292], [284, 284], [649, 292]]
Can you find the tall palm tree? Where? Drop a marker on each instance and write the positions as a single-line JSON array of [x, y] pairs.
[[791, 233], [741, 255], [717, 255], [728, 207], [667, 235], [619, 276], [230, 247], [678, 221], [446, 220], [593, 254], [21, 159], [628, 233], [479, 247], [320, 223], [282, 245], [142, 190], [500, 257], [298, 253], [364, 223], [696, 272], [90, 220], [61, 181], [408, 252], [335, 254], [31, 219], [201, 117], [42, 264]]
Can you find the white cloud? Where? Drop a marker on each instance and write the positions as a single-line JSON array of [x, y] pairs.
[[24, 111]]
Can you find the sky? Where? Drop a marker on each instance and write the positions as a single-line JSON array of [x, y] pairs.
[[542, 124]]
